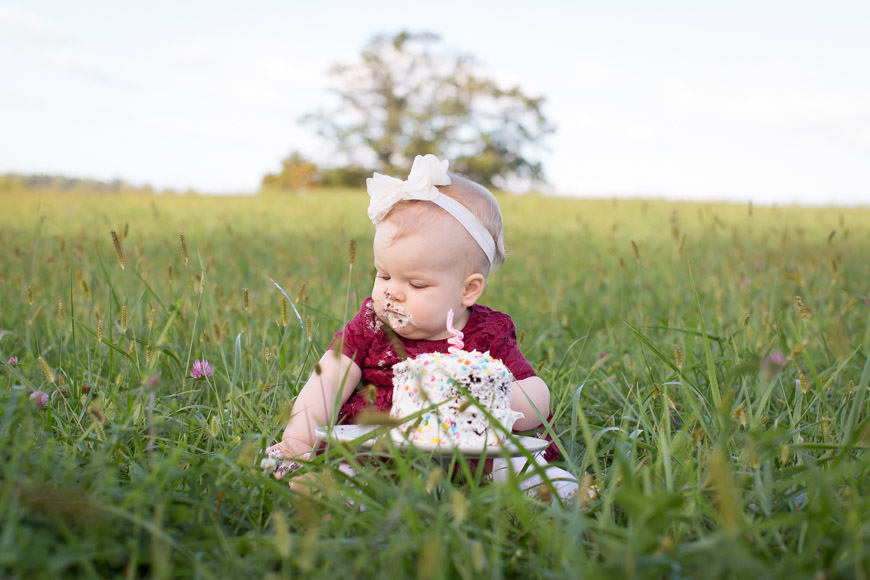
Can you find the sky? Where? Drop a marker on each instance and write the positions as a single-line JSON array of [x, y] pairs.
[[761, 101]]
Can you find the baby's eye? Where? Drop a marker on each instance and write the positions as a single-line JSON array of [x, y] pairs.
[[382, 276], [417, 285]]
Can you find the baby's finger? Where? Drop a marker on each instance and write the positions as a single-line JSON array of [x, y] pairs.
[[278, 450]]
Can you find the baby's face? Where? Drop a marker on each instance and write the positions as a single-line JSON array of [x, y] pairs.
[[419, 279]]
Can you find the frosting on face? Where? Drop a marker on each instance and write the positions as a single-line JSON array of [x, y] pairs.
[[394, 314]]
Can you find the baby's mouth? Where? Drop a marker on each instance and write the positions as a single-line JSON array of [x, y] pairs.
[[393, 314], [397, 319]]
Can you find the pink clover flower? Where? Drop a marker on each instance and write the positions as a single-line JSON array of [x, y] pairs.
[[201, 369]]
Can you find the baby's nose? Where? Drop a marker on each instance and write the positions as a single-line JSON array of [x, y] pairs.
[[395, 294]]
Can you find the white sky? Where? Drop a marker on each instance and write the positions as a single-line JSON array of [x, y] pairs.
[[757, 100]]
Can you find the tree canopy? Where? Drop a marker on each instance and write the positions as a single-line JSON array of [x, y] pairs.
[[410, 96]]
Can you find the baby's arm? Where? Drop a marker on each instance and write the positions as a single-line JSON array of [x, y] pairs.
[[313, 408], [531, 397]]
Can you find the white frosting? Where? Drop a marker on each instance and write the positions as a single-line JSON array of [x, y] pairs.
[[429, 380]]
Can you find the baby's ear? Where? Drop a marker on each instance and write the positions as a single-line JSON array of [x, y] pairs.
[[474, 284]]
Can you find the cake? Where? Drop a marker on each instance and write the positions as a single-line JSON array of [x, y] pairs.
[[443, 386]]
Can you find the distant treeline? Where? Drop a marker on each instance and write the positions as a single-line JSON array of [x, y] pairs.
[[59, 183], [298, 172]]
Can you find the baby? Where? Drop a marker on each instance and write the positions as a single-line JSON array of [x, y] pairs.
[[438, 238]]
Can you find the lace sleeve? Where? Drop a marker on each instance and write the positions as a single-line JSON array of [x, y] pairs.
[[501, 340]]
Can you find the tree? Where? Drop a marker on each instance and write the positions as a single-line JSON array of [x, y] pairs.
[[297, 172], [409, 97]]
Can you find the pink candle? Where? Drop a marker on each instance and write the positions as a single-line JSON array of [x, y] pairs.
[[455, 341]]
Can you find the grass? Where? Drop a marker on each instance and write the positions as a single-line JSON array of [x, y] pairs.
[[708, 362]]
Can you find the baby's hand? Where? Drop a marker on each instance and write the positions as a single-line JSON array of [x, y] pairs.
[[281, 449], [290, 448], [281, 458]]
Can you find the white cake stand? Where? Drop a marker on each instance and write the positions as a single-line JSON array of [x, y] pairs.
[[356, 435]]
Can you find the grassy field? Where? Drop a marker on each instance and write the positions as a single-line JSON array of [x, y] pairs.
[[709, 367]]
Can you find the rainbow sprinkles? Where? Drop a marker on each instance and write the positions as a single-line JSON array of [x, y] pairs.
[[440, 385]]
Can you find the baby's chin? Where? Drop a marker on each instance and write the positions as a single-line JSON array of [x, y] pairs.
[[408, 330], [412, 332]]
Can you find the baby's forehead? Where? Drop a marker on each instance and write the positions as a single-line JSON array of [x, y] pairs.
[[438, 239]]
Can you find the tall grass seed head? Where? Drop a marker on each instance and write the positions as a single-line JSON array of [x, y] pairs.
[[678, 357], [458, 505], [182, 245], [118, 250], [61, 311], [86, 290], [96, 414], [47, 371], [720, 482], [28, 294], [245, 297], [739, 414], [123, 318], [283, 538], [284, 311], [803, 383], [214, 426], [802, 308], [351, 253], [99, 328], [152, 316]]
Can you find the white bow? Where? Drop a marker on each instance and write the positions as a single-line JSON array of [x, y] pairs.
[[385, 191]]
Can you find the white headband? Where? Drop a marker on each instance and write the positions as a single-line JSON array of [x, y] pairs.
[[426, 172]]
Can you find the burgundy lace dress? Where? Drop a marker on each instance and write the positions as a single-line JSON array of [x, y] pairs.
[[364, 341]]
